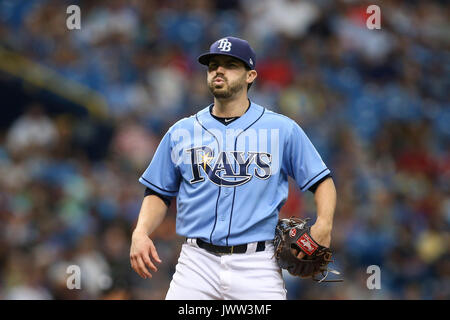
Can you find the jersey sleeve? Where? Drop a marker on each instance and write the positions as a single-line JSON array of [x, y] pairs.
[[302, 161], [162, 175]]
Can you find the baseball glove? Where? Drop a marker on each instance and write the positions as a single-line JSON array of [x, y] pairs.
[[292, 235]]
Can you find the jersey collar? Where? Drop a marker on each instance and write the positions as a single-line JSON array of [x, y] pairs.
[[252, 115]]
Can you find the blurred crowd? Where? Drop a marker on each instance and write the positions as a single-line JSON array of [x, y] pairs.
[[374, 102]]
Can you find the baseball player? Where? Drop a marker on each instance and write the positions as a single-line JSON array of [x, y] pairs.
[[228, 167]]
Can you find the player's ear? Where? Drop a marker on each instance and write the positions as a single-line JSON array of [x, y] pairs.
[[251, 76]]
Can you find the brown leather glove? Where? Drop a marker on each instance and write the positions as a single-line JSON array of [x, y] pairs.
[[293, 235]]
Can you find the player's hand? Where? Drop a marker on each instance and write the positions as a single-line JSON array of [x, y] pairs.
[[142, 254], [321, 233]]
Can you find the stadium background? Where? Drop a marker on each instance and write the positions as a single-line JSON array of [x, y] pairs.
[[82, 112]]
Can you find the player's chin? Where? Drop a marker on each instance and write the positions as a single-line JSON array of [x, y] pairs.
[[221, 92]]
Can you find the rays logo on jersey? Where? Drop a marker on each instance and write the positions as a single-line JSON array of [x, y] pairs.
[[231, 168]]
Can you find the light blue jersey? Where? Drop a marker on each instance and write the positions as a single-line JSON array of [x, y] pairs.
[[231, 181]]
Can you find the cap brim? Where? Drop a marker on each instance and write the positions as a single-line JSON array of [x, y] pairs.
[[204, 58]]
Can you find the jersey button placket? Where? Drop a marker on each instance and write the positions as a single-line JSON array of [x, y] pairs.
[[225, 203]]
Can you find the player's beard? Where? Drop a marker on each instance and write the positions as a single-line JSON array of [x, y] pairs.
[[227, 90]]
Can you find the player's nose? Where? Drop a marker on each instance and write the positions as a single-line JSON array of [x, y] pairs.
[[220, 69]]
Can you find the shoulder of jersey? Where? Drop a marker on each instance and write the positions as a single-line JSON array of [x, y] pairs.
[[280, 120], [185, 122]]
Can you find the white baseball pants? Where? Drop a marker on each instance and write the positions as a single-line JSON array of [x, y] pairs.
[[201, 275]]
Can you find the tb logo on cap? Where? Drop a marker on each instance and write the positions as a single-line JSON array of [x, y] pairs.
[[224, 45]]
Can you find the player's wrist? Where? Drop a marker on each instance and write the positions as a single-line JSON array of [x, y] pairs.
[[138, 232], [324, 224]]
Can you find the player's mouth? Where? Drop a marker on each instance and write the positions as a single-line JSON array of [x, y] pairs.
[[218, 80]]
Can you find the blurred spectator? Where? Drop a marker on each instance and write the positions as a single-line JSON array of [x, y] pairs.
[[95, 270], [269, 18], [33, 131]]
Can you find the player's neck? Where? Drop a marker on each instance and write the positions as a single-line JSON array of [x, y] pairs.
[[228, 108]]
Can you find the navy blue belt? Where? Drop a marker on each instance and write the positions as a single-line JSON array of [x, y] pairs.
[[242, 248]]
